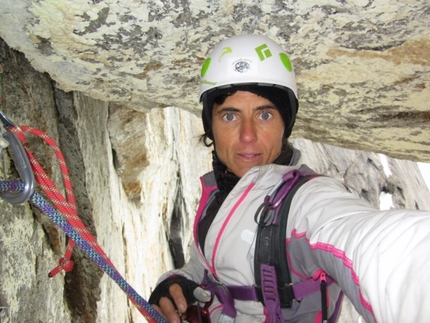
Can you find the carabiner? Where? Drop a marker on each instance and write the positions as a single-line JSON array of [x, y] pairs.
[[24, 167]]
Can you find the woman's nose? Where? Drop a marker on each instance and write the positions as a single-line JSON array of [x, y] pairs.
[[248, 131]]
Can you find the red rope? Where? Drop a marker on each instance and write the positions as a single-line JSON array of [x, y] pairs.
[[67, 206]]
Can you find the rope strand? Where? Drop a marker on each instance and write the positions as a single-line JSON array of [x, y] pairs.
[[65, 215], [67, 205], [150, 314]]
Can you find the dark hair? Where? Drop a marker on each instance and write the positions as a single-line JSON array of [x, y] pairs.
[[206, 137]]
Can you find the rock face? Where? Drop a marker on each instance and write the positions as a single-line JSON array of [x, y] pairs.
[[362, 66], [135, 177], [134, 191]]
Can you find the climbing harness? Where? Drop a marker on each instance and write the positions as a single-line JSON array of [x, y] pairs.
[[272, 275], [64, 214], [273, 285]]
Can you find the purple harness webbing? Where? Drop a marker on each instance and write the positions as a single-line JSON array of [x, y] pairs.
[[300, 290]]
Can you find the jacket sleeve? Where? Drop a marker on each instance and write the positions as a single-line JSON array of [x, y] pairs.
[[380, 259], [193, 269]]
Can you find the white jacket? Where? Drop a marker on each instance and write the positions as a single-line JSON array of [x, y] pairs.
[[380, 259]]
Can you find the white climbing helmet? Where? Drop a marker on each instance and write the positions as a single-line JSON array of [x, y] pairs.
[[248, 60]]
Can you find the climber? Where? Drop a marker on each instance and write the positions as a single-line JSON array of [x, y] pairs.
[[378, 259]]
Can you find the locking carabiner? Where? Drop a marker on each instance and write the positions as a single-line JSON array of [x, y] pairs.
[[23, 164]]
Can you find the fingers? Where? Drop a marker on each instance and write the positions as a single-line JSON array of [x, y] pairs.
[[175, 291], [167, 309]]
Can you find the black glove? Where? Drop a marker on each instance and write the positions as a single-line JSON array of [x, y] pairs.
[[188, 289]]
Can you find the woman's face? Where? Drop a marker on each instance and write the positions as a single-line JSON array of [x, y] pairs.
[[248, 131]]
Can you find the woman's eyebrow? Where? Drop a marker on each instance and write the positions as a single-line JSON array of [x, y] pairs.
[[266, 106], [227, 109], [233, 109]]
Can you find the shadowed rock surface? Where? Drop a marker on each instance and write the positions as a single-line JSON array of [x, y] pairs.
[[98, 77]]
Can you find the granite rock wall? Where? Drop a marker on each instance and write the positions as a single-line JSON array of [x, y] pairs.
[[135, 177]]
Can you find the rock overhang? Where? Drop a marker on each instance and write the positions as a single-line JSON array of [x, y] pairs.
[[363, 67]]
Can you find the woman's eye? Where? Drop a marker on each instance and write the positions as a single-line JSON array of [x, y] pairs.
[[229, 117], [265, 115]]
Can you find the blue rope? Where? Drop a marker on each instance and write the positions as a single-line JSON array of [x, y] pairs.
[[68, 229]]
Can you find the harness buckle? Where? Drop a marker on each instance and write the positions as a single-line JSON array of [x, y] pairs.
[[23, 164], [286, 295], [270, 291]]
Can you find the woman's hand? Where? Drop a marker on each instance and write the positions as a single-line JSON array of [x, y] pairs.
[[173, 295], [172, 311]]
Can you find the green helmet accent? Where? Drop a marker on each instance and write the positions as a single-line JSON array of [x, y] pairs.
[[205, 66]]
